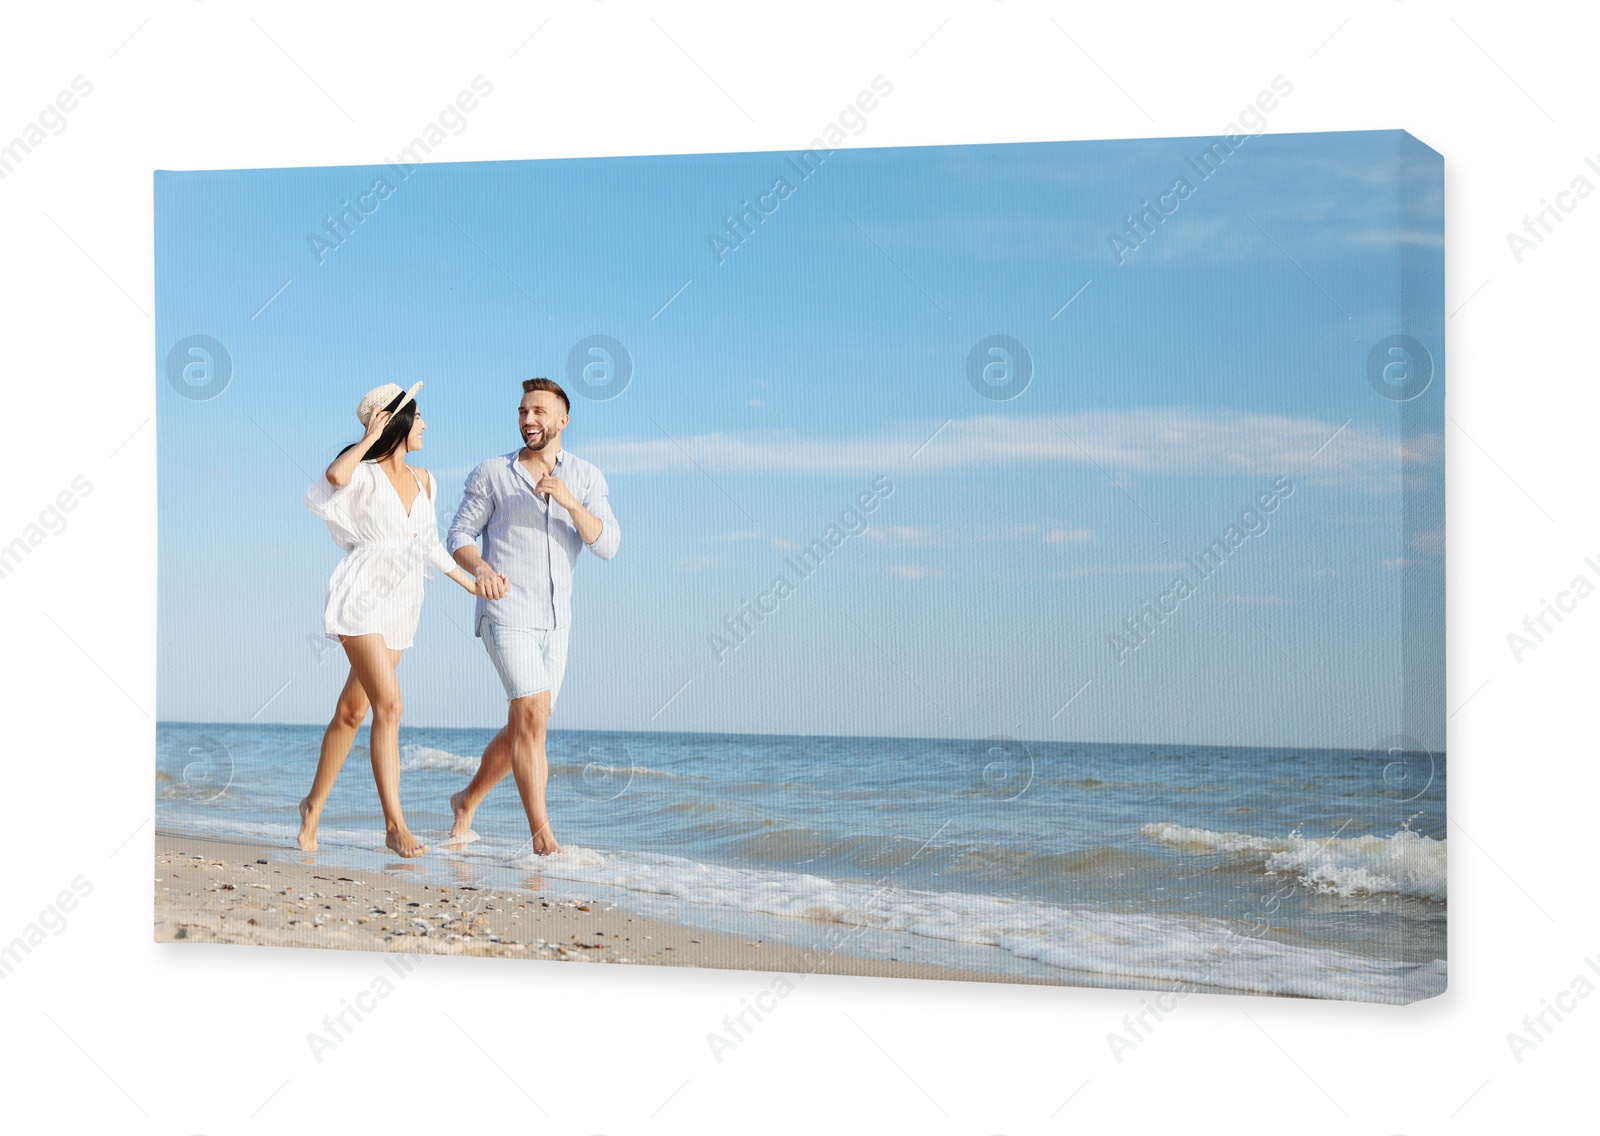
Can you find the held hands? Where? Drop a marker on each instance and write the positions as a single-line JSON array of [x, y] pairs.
[[554, 489], [490, 584]]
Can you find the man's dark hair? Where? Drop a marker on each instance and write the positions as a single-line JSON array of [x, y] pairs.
[[548, 385]]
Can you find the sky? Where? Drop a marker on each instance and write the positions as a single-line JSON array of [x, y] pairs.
[[776, 377]]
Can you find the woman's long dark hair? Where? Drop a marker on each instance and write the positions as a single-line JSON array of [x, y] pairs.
[[398, 430]]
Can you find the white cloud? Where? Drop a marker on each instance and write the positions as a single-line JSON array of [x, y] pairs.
[[1153, 440], [931, 536]]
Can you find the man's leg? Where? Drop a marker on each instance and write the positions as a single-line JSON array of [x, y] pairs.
[[492, 768], [524, 659], [530, 718]]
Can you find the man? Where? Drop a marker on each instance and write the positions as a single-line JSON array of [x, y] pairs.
[[536, 508]]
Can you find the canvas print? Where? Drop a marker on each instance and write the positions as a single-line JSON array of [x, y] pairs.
[[1016, 562]]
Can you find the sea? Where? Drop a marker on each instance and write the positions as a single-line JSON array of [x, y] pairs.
[[1295, 872]]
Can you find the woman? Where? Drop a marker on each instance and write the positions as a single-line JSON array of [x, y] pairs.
[[381, 512]]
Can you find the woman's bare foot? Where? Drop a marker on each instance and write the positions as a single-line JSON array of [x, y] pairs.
[[461, 832], [402, 843], [308, 826]]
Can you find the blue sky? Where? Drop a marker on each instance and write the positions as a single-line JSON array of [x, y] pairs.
[[770, 389]]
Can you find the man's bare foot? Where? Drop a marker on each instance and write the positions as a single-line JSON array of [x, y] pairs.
[[401, 842], [308, 826], [544, 841], [461, 832]]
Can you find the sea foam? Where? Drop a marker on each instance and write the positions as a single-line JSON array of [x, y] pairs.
[[1406, 863], [418, 757], [1209, 953]]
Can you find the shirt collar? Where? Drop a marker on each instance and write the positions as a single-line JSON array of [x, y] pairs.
[[514, 454], [521, 471]]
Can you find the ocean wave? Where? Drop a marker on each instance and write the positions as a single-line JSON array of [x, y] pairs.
[[417, 757], [1119, 949], [414, 757], [1012, 867], [1210, 953], [1406, 863]]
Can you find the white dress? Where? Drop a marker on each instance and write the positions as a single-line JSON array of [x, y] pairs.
[[377, 587]]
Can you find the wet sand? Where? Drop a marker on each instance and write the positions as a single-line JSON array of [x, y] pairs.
[[210, 890]]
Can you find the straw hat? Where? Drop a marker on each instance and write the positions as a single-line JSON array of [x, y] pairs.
[[379, 397]]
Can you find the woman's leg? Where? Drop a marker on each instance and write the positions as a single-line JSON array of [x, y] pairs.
[[373, 664], [336, 742]]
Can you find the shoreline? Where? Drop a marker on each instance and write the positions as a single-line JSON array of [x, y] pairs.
[[225, 890]]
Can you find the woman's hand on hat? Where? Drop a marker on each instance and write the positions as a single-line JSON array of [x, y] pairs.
[[376, 423]]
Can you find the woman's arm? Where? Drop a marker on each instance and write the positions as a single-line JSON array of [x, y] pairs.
[[439, 557], [343, 467]]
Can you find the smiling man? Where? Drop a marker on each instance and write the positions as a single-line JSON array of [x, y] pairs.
[[535, 509]]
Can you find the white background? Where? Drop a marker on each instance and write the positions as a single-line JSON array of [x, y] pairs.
[[103, 1027]]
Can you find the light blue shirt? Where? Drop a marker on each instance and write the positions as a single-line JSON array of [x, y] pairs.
[[529, 540]]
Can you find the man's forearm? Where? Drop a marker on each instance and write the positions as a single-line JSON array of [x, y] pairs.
[[468, 557], [587, 524]]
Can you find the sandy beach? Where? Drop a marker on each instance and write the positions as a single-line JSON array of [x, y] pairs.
[[210, 890], [1128, 869]]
